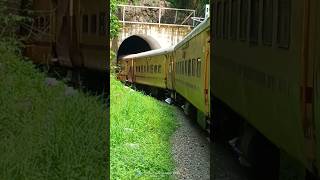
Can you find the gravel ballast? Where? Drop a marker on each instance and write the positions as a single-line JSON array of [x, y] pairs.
[[190, 149]]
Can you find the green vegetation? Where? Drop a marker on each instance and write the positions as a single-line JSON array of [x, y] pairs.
[[198, 5], [188, 4], [114, 21], [44, 133], [140, 128]]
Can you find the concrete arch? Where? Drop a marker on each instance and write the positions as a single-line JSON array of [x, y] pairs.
[[136, 44]]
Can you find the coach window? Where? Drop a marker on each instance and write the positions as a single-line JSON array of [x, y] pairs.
[[198, 67], [181, 67], [159, 68], [185, 72], [234, 19], [267, 22], [151, 68], [226, 11], [218, 29], [189, 67], [194, 67], [93, 28], [102, 24], [254, 21], [284, 23], [243, 19], [85, 20], [177, 68]]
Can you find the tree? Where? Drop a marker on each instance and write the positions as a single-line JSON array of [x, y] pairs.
[[193, 4]]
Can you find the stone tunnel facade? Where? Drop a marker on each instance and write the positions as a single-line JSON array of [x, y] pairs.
[[164, 35]]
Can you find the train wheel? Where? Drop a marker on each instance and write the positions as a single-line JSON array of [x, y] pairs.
[[76, 78], [202, 120], [264, 158], [190, 110], [290, 168]]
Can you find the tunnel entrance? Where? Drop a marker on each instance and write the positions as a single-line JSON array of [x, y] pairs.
[[136, 44]]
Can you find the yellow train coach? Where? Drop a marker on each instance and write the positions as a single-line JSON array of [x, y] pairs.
[[182, 70], [70, 33], [147, 68], [266, 69]]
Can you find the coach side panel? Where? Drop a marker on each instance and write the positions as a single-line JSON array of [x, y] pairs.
[[192, 70], [256, 67], [151, 71], [92, 34]]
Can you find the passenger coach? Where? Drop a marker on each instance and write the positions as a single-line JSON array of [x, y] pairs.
[[266, 70], [182, 70]]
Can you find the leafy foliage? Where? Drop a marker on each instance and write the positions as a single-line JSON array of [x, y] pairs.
[[11, 17], [194, 4], [114, 22]]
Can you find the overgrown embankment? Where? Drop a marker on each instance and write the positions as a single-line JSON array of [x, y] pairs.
[[140, 128], [46, 132]]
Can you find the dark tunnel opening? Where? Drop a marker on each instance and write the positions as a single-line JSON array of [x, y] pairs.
[[136, 44]]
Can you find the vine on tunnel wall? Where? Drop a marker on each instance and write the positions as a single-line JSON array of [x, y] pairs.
[[114, 21]]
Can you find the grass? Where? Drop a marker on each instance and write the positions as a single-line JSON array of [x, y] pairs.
[[45, 134], [140, 128]]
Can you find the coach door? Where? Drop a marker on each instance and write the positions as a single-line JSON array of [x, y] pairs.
[[170, 79]]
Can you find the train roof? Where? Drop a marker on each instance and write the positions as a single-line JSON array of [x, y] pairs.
[[149, 53], [201, 27]]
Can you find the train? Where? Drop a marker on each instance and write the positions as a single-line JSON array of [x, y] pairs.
[[71, 34], [261, 94], [182, 71], [265, 70]]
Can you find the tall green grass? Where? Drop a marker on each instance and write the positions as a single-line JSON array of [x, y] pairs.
[[140, 128], [45, 134]]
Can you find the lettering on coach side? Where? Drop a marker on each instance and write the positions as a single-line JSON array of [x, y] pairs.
[[260, 78]]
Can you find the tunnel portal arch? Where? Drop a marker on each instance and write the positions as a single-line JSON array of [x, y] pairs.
[[136, 44]]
